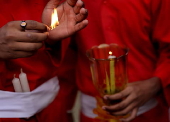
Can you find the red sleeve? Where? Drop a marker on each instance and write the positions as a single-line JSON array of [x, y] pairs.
[[57, 53], [161, 37]]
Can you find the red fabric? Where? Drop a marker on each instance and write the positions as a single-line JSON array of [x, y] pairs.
[[40, 67], [142, 26]]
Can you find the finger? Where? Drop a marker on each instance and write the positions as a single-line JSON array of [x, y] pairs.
[[28, 47], [82, 15], [121, 105], [117, 96], [22, 54], [30, 25], [32, 37], [132, 116], [52, 4], [78, 6], [81, 25], [72, 2], [34, 25], [124, 111]]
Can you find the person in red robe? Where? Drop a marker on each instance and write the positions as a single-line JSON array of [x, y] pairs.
[[143, 27], [26, 48]]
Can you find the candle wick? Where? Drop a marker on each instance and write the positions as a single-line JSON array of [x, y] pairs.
[[21, 70], [14, 75]]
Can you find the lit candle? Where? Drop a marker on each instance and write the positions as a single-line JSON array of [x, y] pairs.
[[17, 85], [110, 55], [24, 82], [54, 19], [112, 73]]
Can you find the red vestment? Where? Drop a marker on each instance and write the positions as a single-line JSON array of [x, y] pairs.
[[142, 26], [39, 67]]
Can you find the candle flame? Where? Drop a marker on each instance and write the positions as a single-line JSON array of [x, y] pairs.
[[110, 52], [54, 19]]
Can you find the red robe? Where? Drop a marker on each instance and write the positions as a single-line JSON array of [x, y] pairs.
[[39, 67], [142, 26]]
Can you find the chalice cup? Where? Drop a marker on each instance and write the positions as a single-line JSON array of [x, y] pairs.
[[108, 65]]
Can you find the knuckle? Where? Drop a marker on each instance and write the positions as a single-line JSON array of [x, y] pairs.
[[10, 24], [43, 37], [131, 89], [3, 42], [9, 54], [121, 105], [124, 112], [33, 24], [35, 47], [25, 54], [9, 36], [40, 45], [79, 18], [10, 46], [121, 95], [135, 96], [133, 117], [31, 37], [29, 54]]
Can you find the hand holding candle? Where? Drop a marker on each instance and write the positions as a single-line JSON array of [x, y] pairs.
[[108, 67]]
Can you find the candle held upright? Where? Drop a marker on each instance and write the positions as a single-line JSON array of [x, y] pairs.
[[112, 72], [24, 82], [108, 68], [17, 85]]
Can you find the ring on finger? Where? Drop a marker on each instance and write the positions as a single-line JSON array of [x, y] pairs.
[[23, 24]]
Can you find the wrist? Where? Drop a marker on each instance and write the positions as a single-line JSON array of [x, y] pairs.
[[155, 85]]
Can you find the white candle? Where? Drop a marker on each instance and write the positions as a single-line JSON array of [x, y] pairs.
[[111, 56], [17, 85], [24, 82]]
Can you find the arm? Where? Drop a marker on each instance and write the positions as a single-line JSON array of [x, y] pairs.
[[138, 93], [72, 18], [161, 35]]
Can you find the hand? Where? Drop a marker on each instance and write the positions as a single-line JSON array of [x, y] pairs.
[[16, 42], [134, 96], [72, 18]]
